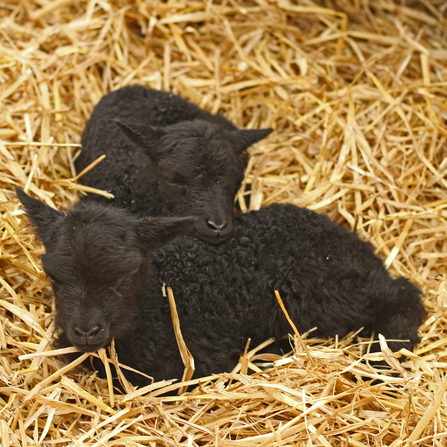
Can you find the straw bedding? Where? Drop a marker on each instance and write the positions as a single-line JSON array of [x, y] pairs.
[[356, 92]]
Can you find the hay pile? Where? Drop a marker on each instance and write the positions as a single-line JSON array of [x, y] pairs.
[[357, 94]]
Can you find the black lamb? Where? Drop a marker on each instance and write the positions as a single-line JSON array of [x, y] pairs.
[[166, 156], [107, 268]]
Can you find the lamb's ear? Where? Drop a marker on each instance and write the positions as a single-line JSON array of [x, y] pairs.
[[142, 134], [42, 216], [244, 138], [154, 232]]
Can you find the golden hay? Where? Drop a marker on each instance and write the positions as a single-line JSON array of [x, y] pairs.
[[356, 92]]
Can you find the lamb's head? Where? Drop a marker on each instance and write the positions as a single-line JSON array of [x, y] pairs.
[[200, 168], [96, 258]]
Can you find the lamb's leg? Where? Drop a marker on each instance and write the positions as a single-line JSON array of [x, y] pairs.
[[399, 314]]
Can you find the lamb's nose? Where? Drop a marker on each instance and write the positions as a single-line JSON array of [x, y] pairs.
[[87, 333], [215, 226]]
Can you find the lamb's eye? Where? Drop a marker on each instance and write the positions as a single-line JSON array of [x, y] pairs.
[[176, 180], [127, 279], [177, 184], [173, 184]]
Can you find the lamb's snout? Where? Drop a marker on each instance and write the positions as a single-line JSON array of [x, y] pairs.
[[89, 336], [214, 229], [87, 333]]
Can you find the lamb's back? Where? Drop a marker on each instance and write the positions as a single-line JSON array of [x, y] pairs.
[[321, 269], [138, 105]]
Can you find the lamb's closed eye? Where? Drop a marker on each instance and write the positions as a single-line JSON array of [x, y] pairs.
[[179, 182], [126, 279]]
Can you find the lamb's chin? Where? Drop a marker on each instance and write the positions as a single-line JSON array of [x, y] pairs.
[[90, 347], [216, 240], [92, 344]]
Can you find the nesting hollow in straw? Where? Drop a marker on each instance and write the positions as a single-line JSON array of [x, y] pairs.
[[356, 93]]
